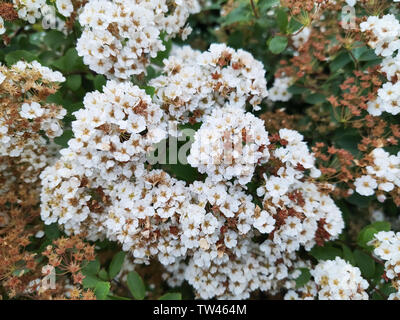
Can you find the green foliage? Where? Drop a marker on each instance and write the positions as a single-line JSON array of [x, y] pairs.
[[242, 13], [171, 296], [136, 285], [365, 263], [367, 233], [18, 55], [116, 264], [101, 290], [327, 252], [303, 278], [277, 44]]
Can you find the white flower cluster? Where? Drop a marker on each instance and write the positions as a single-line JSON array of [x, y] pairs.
[[195, 83], [36, 155], [31, 116], [299, 216], [388, 100], [229, 144], [45, 73], [385, 34], [114, 127], [101, 189], [383, 174], [119, 37], [112, 134], [339, 280], [386, 42], [34, 10], [387, 248], [246, 271], [304, 215], [279, 90], [333, 280], [145, 217]]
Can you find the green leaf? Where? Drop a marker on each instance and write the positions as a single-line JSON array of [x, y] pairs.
[[74, 82], [15, 56], [367, 233], [387, 288], [315, 98], [92, 268], [359, 200], [365, 263], [282, 20], [348, 139], [54, 39], [369, 55], [103, 275], [64, 138], [381, 226], [325, 253], [294, 25], [69, 62], [51, 231], [278, 44], [304, 277], [340, 61], [348, 255], [136, 285], [102, 289], [171, 296], [99, 81], [242, 13], [90, 282], [116, 264], [150, 90], [163, 54], [296, 89], [114, 297], [265, 5]]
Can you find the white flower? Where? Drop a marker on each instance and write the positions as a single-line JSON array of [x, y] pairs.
[[31, 111], [65, 7], [2, 28], [365, 185]]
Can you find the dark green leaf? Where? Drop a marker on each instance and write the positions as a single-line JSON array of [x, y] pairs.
[[103, 275], [315, 98], [365, 263], [74, 82], [171, 296], [15, 56], [304, 277], [90, 282], [325, 253], [51, 231], [64, 138], [136, 285], [116, 264], [99, 81], [278, 44], [348, 255], [340, 61], [282, 20], [101, 290], [92, 268]]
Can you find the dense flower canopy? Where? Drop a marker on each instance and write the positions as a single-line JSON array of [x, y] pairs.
[[225, 149]]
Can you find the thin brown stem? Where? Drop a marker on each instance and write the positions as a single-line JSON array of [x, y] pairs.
[[254, 9]]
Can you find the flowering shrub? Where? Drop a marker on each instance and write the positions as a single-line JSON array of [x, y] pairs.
[[225, 149]]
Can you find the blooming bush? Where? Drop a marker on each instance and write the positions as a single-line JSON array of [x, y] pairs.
[[199, 149]]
